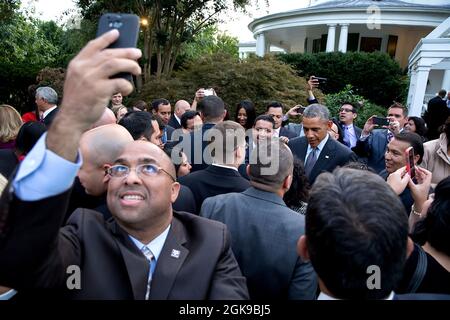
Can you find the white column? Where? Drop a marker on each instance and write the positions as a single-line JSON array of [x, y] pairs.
[[260, 45], [446, 81], [418, 88], [343, 38], [331, 37]]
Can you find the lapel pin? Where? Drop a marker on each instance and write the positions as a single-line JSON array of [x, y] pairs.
[[327, 157], [175, 253]]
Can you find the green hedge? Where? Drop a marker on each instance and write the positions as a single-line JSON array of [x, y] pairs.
[[375, 76], [366, 109]]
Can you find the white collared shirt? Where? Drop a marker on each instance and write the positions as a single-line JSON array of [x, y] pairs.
[[276, 132], [48, 111], [319, 148], [324, 296], [225, 166], [178, 119]]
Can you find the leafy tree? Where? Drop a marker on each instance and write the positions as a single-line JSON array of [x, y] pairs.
[[207, 42], [259, 79], [26, 50], [8, 8], [168, 24]]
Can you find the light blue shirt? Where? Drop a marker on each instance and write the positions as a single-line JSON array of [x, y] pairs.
[[43, 174], [8, 294], [155, 246], [351, 134], [319, 148]]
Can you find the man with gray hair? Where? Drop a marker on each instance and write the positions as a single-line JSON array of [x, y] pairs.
[[318, 152], [264, 230], [46, 101]]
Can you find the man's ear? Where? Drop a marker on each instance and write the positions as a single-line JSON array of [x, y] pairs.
[[354, 116], [287, 182], [302, 249], [224, 114], [106, 176], [174, 191]]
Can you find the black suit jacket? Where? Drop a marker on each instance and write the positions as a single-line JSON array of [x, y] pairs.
[[285, 132], [196, 261], [174, 123], [435, 116], [185, 201], [49, 118], [8, 162], [213, 181], [194, 145], [334, 154]]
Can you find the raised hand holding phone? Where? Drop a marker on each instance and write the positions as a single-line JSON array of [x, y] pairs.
[[128, 27]]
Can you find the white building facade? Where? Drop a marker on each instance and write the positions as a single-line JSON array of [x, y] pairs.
[[391, 26]]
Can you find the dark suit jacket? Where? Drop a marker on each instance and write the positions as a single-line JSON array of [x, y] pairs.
[[285, 132], [334, 154], [435, 116], [373, 148], [8, 162], [185, 201], [196, 261], [213, 181], [49, 118], [194, 146], [174, 123], [264, 233]]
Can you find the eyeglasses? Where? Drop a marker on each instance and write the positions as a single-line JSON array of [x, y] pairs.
[[346, 110], [148, 170]]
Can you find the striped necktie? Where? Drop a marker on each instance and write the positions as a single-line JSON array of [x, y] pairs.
[[150, 257]]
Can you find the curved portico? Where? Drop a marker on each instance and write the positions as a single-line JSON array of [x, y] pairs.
[[390, 26]]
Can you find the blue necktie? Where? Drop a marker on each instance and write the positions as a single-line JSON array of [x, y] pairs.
[[310, 162], [389, 136]]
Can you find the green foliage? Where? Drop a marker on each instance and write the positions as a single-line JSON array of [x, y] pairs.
[[366, 109], [260, 80], [208, 42], [169, 25], [375, 76], [8, 9], [26, 50]]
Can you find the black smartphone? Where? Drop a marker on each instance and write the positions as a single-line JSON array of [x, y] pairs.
[[128, 26], [321, 80], [380, 121], [409, 155], [300, 109]]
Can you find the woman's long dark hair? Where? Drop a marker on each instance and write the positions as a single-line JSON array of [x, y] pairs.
[[249, 108], [435, 228], [421, 128]]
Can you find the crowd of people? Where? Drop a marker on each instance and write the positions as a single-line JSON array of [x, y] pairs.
[[150, 202]]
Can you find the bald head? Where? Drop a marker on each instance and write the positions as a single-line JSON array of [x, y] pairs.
[[107, 117], [103, 144], [181, 107]]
